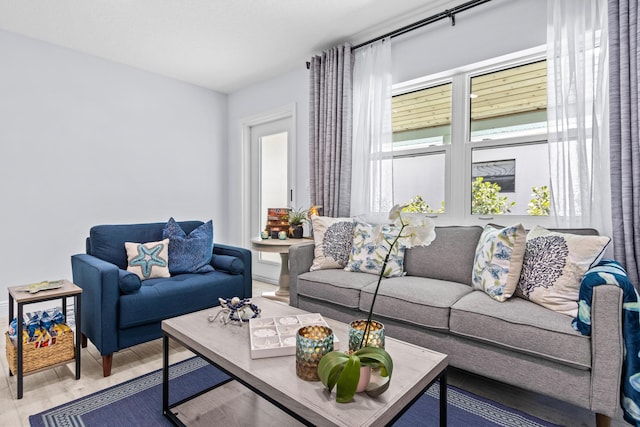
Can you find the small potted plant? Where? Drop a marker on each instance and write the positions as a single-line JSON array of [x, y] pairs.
[[342, 370], [296, 218]]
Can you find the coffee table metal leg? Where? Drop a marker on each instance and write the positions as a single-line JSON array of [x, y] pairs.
[[165, 374], [443, 399]]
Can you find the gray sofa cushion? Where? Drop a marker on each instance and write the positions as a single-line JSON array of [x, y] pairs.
[[522, 326], [449, 257], [417, 300], [335, 285]]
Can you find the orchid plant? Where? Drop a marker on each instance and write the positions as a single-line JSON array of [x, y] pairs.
[[343, 370]]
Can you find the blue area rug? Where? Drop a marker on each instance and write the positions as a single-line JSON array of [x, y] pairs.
[[138, 402]]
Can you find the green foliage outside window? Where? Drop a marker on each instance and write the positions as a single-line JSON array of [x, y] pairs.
[[540, 203], [417, 204], [486, 198]]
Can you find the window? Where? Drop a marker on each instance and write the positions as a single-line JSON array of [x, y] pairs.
[[501, 172], [421, 130], [509, 103], [474, 141]]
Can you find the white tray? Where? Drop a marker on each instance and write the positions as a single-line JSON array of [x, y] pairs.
[[276, 336]]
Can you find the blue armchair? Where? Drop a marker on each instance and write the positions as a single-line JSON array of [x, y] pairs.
[[119, 310]]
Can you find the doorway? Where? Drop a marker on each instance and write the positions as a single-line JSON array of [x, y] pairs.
[[272, 176]]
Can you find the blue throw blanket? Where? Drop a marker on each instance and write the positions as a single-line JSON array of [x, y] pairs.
[[609, 272]]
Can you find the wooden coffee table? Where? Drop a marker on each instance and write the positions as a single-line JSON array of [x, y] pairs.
[[267, 392]]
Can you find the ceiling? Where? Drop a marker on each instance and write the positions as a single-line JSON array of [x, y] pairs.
[[224, 45]]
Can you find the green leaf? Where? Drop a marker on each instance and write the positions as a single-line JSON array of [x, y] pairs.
[[376, 356], [330, 367], [348, 381]]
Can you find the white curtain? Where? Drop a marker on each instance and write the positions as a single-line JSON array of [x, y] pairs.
[[577, 82], [372, 176]]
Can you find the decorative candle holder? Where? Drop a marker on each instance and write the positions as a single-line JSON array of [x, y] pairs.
[[312, 342], [282, 235], [375, 336]]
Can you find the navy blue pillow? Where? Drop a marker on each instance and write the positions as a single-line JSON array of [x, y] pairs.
[[129, 282], [189, 253], [228, 263]]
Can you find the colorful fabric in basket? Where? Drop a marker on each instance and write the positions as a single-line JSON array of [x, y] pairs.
[[40, 328], [609, 272]]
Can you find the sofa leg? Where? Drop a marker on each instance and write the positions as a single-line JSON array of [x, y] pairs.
[[83, 339], [106, 364], [603, 420]]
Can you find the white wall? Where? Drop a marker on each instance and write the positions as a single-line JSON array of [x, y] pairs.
[[287, 89], [84, 141], [493, 29]]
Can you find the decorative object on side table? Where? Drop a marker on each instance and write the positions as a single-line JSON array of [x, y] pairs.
[[235, 310], [277, 221], [42, 286], [296, 218], [343, 369]]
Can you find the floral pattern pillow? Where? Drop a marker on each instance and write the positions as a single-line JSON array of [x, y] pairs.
[[498, 261], [370, 249]]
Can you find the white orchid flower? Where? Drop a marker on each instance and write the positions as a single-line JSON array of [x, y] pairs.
[[396, 213], [419, 231], [418, 236]]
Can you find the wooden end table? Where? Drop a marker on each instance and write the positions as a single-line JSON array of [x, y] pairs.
[[22, 298]]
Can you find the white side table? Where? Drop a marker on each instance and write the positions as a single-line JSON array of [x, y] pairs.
[[280, 247]]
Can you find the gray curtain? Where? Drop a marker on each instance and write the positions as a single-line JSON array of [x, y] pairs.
[[330, 130], [624, 55]]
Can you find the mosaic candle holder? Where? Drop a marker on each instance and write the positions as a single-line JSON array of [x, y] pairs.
[[312, 342], [375, 336]]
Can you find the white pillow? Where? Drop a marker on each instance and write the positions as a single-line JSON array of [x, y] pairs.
[[333, 238], [148, 260], [553, 267]]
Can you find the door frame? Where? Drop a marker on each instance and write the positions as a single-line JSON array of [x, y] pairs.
[[287, 111]]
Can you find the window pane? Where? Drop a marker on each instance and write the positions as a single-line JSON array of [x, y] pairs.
[[519, 168], [422, 118], [421, 175], [509, 103]]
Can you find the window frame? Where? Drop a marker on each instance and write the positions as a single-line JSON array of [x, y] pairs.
[[459, 153]]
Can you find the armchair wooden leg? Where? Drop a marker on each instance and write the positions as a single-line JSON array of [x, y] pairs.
[[83, 339], [106, 364], [603, 421]]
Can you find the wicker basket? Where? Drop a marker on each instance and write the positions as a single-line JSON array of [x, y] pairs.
[[37, 358]]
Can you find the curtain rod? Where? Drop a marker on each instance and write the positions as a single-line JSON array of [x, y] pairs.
[[448, 13]]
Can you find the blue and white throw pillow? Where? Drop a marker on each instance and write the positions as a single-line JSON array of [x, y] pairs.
[[498, 261], [189, 253], [371, 246], [148, 260]]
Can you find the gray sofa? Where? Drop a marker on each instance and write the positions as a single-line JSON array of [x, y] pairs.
[[516, 341]]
